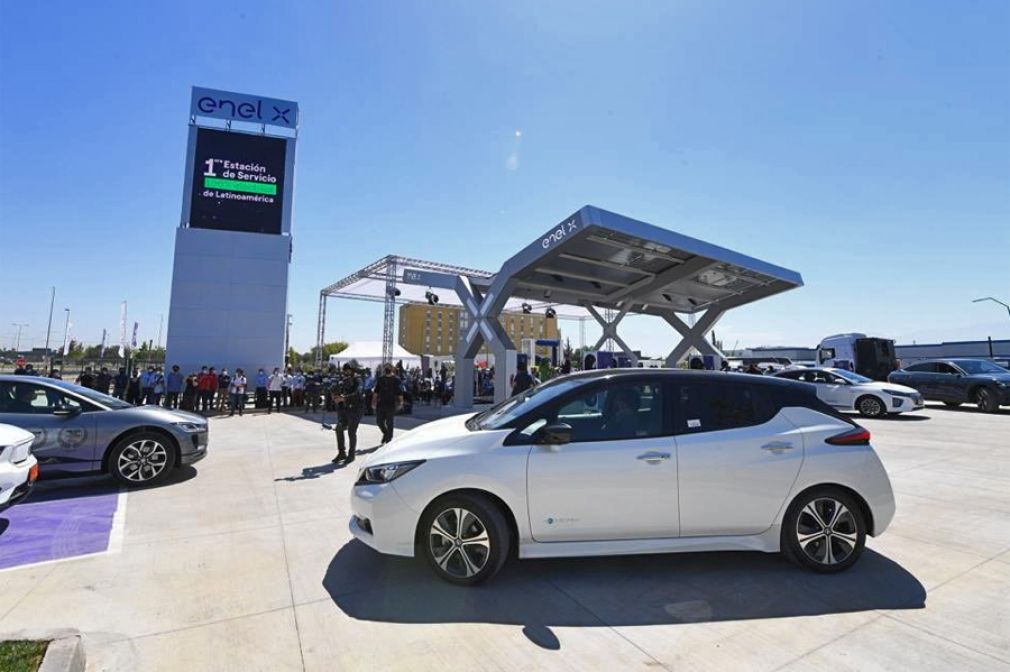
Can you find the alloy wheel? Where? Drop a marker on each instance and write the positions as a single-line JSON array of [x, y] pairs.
[[459, 543], [982, 399], [826, 531], [871, 406], [142, 461]]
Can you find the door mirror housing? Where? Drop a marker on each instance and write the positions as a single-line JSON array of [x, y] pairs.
[[554, 434]]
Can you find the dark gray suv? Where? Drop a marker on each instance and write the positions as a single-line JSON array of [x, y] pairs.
[[78, 430]]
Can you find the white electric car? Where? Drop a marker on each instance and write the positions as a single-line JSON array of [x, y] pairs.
[[624, 462], [18, 467], [850, 391]]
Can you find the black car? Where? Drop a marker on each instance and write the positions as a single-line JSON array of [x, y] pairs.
[[958, 381]]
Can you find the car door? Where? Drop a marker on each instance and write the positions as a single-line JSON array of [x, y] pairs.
[[919, 376], [830, 389], [737, 457], [64, 426], [617, 477], [950, 383]]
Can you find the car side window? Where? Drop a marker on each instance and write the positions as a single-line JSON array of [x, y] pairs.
[[792, 375], [709, 407], [924, 367], [621, 410], [946, 368], [18, 397]]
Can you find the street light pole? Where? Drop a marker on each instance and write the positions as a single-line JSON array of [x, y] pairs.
[[989, 298], [49, 328], [66, 334], [17, 339]]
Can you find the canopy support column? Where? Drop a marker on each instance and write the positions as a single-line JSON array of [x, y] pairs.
[[694, 337], [484, 328], [610, 330]]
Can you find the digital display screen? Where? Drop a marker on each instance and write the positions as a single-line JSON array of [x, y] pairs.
[[238, 182]]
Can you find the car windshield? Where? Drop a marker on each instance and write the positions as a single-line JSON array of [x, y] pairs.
[[92, 395], [978, 366], [851, 377], [501, 414]]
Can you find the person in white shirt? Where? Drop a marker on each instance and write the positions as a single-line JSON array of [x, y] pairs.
[[275, 386], [236, 392]]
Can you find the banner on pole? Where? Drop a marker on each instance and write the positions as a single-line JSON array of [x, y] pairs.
[[133, 341], [122, 329]]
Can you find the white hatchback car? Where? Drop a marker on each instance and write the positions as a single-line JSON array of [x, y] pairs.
[[625, 462], [18, 467], [850, 391]]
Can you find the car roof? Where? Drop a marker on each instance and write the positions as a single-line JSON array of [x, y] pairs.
[[680, 374]]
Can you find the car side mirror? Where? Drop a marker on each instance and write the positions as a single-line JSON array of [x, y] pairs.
[[65, 411], [556, 434]]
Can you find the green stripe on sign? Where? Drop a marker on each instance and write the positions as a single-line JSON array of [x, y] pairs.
[[240, 185]]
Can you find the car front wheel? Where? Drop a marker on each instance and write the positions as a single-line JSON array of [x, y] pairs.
[[871, 407], [465, 539], [824, 530], [144, 458]]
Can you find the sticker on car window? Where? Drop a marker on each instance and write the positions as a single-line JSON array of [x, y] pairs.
[[694, 423]]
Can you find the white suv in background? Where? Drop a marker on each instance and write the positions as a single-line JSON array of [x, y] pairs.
[[850, 391], [626, 462], [18, 467]]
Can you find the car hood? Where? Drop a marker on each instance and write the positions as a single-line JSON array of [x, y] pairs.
[[877, 385], [434, 438], [163, 415], [994, 377], [9, 435]]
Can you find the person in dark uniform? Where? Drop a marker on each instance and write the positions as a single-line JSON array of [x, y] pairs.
[[103, 380], [347, 397], [86, 379], [313, 384], [523, 380], [387, 397]]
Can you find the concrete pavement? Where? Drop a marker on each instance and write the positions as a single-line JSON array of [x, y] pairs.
[[245, 563]]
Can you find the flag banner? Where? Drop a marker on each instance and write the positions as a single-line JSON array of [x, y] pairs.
[[122, 329], [133, 342], [67, 339], [101, 351]]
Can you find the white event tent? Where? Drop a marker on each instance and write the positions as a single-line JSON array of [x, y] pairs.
[[368, 354]]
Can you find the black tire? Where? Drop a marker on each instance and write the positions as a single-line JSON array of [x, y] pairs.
[[151, 453], [459, 556], [871, 407], [952, 404], [986, 400], [826, 553]]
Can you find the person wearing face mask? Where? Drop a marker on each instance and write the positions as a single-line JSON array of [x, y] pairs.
[[348, 399]]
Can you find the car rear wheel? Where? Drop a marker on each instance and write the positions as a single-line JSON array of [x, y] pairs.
[[465, 539], [824, 530], [144, 458], [871, 406], [986, 400]]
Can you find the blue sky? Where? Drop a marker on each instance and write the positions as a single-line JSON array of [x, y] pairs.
[[864, 144]]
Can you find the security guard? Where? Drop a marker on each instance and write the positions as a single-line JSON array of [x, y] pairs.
[[348, 399]]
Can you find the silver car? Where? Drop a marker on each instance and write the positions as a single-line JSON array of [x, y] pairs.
[[78, 431]]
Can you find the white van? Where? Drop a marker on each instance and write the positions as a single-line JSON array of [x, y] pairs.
[[866, 355]]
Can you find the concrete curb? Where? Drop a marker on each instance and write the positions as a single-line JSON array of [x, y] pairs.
[[65, 654]]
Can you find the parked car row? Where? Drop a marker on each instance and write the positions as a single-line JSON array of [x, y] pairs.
[[958, 381], [70, 430]]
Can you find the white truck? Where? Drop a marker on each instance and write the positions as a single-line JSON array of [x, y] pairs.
[[866, 355]]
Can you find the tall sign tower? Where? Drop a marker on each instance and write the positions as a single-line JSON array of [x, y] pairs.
[[233, 244]]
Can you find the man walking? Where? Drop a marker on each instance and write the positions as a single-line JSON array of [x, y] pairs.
[[386, 399], [173, 387], [275, 385], [347, 397]]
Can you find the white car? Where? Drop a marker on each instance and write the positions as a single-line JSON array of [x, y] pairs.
[[625, 462], [850, 391], [18, 467]]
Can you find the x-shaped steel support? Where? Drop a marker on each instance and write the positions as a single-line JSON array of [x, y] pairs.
[[694, 336], [484, 328], [610, 330]]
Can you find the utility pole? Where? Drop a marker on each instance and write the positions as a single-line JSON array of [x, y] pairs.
[[17, 339], [49, 328], [66, 334]]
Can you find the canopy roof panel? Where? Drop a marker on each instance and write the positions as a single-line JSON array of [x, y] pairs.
[[604, 259]]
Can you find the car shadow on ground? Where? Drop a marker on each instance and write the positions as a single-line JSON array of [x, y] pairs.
[[57, 487], [614, 591], [969, 408]]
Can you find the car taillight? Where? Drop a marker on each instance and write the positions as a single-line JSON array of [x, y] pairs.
[[857, 436]]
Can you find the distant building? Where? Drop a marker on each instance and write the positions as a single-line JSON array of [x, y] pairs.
[[436, 330]]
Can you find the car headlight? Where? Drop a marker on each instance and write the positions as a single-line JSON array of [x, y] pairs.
[[384, 473], [898, 393], [190, 426]]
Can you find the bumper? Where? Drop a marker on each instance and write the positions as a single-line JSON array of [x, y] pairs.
[[195, 450], [17, 482], [905, 404], [383, 520]]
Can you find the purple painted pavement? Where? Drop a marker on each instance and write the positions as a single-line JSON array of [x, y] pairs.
[[58, 521]]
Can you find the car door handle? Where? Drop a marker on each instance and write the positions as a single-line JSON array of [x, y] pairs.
[[777, 446], [653, 457]]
